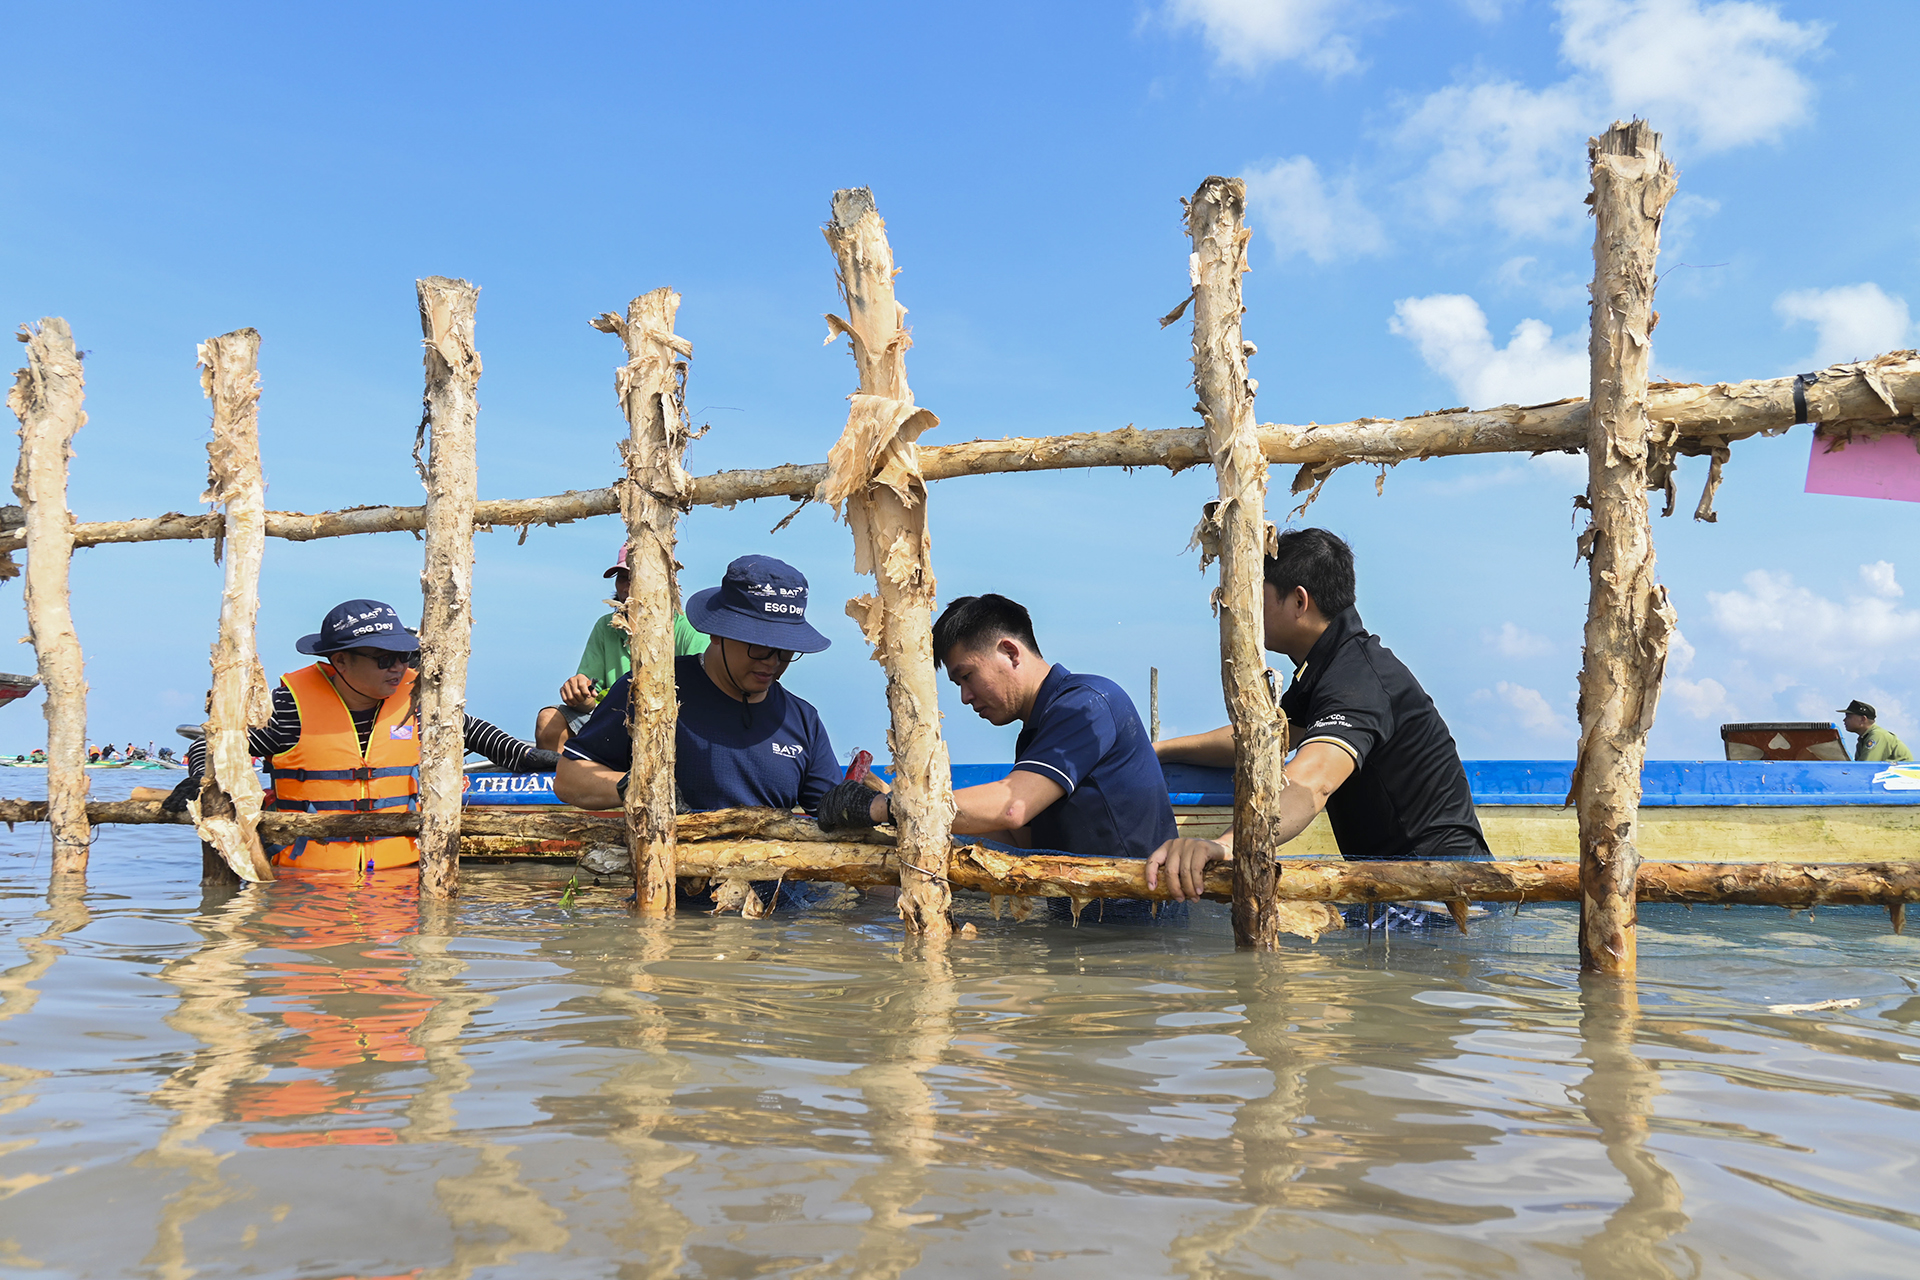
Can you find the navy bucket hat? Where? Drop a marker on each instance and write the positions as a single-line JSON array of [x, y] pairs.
[[761, 601], [359, 624]]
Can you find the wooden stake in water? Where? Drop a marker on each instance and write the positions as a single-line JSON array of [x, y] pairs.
[[446, 582], [1235, 528], [48, 397], [228, 809], [1628, 617], [873, 471], [652, 390]]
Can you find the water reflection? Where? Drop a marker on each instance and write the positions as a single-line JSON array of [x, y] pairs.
[[66, 911], [494, 1215], [914, 1028], [1617, 1096], [212, 987], [639, 1099]]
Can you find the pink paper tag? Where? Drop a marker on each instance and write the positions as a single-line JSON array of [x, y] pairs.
[[1888, 467]]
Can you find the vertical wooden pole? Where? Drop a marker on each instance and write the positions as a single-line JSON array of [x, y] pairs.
[[1237, 524], [874, 470], [1628, 617], [47, 397], [652, 391], [446, 582], [1153, 704], [228, 810]]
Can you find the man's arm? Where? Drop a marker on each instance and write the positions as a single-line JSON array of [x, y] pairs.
[[1315, 774], [1214, 748], [1006, 805], [587, 784]]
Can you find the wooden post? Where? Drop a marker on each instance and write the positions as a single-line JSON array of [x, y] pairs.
[[652, 391], [1628, 617], [874, 471], [47, 397], [1153, 704], [228, 810], [446, 582], [1237, 526]]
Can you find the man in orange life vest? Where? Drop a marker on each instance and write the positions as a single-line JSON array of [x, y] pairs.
[[344, 737]]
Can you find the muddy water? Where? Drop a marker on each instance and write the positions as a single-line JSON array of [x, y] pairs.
[[319, 1079]]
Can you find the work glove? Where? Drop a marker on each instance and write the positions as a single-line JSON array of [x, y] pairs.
[[848, 807], [176, 801]]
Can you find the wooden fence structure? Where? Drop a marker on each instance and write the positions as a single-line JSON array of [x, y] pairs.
[[1632, 431]]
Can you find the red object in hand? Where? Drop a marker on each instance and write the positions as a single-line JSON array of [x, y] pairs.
[[861, 766]]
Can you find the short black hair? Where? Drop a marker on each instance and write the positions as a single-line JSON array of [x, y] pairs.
[[973, 621], [1321, 562]]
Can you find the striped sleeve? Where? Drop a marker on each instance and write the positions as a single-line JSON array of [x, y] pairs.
[[497, 745], [278, 735]]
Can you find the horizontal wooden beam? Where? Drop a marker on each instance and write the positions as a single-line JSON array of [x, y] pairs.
[[1872, 394], [767, 844]]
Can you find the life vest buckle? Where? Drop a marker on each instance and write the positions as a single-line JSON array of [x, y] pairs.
[[363, 805], [364, 774]]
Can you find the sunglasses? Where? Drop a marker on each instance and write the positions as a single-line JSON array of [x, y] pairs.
[[760, 653], [385, 659]]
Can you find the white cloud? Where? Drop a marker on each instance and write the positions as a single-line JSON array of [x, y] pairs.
[[1709, 76], [1249, 35], [1505, 150], [1852, 321], [1806, 632], [1451, 333], [1879, 580], [1530, 708], [1723, 75], [1292, 203], [1704, 699], [1512, 641]]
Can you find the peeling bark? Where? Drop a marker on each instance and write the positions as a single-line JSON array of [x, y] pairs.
[[1878, 394], [446, 580], [48, 397], [873, 475], [1237, 526], [652, 392], [745, 841], [228, 809], [1629, 619]]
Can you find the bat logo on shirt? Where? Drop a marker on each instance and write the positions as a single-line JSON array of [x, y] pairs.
[[791, 750]]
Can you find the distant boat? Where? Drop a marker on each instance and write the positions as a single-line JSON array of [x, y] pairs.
[[12, 687]]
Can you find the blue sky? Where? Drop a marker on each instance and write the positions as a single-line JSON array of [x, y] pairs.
[[1416, 174]]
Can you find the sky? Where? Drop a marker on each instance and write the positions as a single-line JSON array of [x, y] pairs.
[[1415, 175]]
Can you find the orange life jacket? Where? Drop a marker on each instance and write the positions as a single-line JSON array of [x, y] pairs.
[[327, 772]]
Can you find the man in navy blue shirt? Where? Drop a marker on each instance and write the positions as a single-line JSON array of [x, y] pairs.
[[741, 738], [1085, 779]]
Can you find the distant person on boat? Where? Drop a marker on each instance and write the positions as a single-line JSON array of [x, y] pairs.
[[607, 657], [37, 756], [1874, 743], [345, 738], [1084, 777], [742, 739], [1372, 749]]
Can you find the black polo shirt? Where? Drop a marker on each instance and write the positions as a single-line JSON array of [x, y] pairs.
[[1408, 796]]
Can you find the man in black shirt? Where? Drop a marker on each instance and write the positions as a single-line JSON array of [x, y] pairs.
[[1373, 750]]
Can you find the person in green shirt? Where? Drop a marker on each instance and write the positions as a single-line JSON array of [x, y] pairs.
[[607, 657], [1874, 743]]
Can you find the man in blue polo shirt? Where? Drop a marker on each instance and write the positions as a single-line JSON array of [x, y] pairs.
[[741, 738], [1085, 779]]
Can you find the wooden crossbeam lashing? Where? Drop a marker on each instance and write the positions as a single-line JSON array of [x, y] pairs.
[[1632, 431]]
